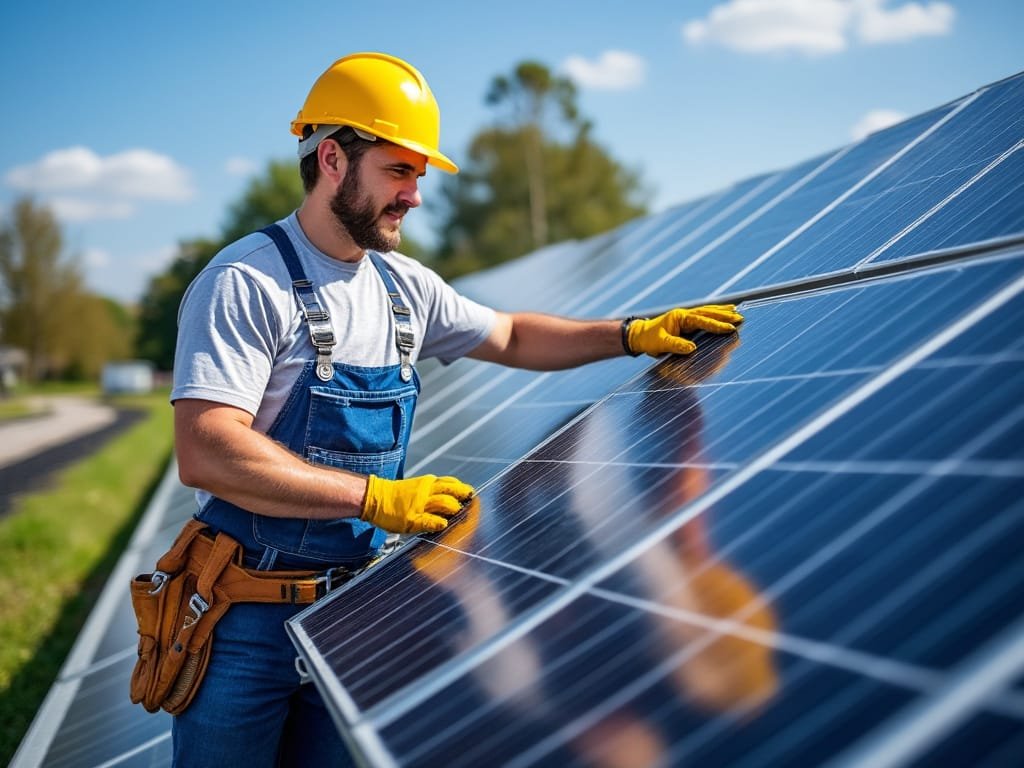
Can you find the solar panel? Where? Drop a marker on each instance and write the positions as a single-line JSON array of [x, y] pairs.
[[797, 546]]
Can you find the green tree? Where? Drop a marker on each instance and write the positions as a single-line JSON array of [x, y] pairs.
[[102, 331], [268, 198], [534, 178], [528, 97], [158, 314], [65, 330], [41, 286]]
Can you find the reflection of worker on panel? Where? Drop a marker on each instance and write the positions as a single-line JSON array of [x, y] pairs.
[[627, 465]]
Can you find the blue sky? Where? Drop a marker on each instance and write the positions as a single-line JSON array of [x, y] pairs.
[[141, 122]]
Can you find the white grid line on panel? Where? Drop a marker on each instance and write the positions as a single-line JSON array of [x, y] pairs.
[[940, 467], [937, 363]]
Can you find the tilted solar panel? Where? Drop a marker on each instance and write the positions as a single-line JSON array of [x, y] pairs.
[[765, 483]]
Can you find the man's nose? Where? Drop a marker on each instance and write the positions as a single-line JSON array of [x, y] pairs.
[[409, 194]]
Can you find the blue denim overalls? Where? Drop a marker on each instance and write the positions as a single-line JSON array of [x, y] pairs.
[[350, 417]]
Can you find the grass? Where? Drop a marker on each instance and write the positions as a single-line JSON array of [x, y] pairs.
[[16, 409], [56, 549]]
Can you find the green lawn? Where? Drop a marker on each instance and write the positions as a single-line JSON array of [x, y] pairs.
[[57, 548]]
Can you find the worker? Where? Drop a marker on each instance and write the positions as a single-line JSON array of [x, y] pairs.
[[295, 387]]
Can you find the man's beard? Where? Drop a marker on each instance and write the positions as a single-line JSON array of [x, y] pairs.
[[356, 214]]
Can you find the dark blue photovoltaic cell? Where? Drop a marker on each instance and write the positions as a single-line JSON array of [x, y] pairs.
[[927, 175], [987, 741], [880, 593]]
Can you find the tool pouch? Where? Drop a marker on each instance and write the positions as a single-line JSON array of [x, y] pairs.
[[176, 609]]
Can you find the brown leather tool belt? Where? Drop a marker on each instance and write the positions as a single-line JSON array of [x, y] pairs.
[[178, 604]]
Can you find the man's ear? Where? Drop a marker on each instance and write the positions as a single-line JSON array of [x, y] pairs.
[[333, 163]]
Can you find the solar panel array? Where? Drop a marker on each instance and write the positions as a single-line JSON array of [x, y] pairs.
[[799, 545]]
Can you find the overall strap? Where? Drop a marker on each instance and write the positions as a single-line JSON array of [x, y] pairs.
[[405, 339], [317, 319]]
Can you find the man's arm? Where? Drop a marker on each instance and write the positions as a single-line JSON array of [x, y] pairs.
[[220, 452], [548, 342]]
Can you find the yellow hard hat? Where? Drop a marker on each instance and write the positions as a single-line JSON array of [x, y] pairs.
[[380, 95]]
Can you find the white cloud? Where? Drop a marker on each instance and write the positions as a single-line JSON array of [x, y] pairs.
[[159, 258], [84, 185], [875, 120], [757, 26], [815, 27], [96, 258], [239, 166], [613, 71], [78, 209], [877, 24]]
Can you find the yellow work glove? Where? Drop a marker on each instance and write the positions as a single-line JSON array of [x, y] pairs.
[[662, 335], [415, 504]]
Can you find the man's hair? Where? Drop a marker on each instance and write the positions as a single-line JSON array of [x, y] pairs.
[[353, 147]]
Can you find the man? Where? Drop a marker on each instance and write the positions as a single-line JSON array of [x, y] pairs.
[[294, 391]]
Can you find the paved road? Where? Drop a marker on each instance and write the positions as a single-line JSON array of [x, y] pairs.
[[32, 449], [67, 418]]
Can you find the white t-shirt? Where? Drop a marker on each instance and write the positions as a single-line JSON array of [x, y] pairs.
[[242, 340]]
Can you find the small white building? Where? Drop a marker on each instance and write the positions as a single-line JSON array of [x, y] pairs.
[[121, 377], [13, 362]]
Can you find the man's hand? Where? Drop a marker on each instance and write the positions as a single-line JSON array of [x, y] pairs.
[[413, 505], [663, 334]]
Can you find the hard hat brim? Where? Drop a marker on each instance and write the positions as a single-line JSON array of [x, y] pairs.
[[434, 158]]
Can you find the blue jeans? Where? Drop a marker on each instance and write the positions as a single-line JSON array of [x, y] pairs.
[[250, 710]]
